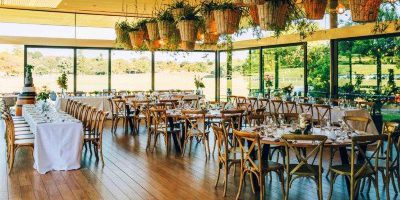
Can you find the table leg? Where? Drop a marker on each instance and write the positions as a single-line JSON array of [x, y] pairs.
[[174, 137]]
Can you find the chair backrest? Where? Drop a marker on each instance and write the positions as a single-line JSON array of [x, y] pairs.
[[231, 117], [366, 105], [246, 159], [291, 107], [222, 143], [277, 106], [357, 123], [264, 103], [119, 106], [99, 120], [370, 160], [240, 99], [323, 112], [10, 130], [253, 103], [87, 119], [392, 130], [306, 108], [293, 141], [158, 118], [67, 105], [170, 103], [196, 119]]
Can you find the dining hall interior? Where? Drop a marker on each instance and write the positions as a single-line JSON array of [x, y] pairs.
[[200, 99]]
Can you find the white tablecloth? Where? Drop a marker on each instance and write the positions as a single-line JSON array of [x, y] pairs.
[[58, 144]]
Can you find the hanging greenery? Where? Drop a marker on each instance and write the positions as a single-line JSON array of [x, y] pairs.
[[139, 34], [169, 35], [178, 8], [122, 30], [227, 16]]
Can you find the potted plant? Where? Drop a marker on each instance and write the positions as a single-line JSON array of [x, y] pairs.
[[199, 84], [138, 33], [206, 9], [166, 26], [269, 11], [62, 81], [152, 29], [227, 16], [364, 10], [122, 32], [178, 8], [188, 25], [28, 75], [315, 9]]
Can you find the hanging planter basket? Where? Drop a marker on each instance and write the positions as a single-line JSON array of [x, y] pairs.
[[268, 14], [210, 23], [177, 12], [152, 45], [152, 30], [364, 10], [187, 30], [254, 14], [137, 38], [211, 38], [165, 30], [253, 2], [227, 20], [315, 9], [122, 39], [187, 46]]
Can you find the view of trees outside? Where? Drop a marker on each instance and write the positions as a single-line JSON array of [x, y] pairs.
[[130, 70], [49, 64], [318, 68], [286, 66], [92, 70], [177, 70], [370, 68], [11, 68]]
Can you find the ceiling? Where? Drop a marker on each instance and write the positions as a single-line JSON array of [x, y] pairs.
[[88, 13]]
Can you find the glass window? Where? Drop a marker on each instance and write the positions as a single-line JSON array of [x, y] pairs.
[[369, 69], [92, 70], [49, 64], [318, 66], [245, 72], [131, 70], [11, 68], [177, 70], [285, 65]]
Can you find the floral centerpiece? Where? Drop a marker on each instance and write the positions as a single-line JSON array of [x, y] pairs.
[[42, 97], [199, 84], [268, 83], [288, 91]]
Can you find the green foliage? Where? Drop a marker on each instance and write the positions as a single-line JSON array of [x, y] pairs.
[[43, 95], [318, 68], [139, 25], [198, 82], [62, 81], [288, 89], [387, 14], [165, 15], [207, 6], [179, 4]]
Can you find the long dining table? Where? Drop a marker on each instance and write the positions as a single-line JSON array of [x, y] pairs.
[[58, 139]]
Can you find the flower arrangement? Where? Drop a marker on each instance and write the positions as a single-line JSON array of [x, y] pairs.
[[198, 82], [43, 95], [62, 81], [288, 89], [28, 76]]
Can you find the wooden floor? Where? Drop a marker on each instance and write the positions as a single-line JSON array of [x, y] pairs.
[[132, 173]]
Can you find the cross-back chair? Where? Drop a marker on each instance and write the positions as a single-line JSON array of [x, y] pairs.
[[255, 167], [357, 171], [95, 136], [303, 165], [119, 112], [291, 107], [158, 125], [357, 123], [323, 112], [226, 159], [195, 127]]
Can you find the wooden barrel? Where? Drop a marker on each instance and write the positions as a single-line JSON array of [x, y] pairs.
[[22, 100]]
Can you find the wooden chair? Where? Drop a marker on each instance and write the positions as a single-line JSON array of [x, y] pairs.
[[291, 118], [357, 123], [95, 136], [323, 112], [141, 108], [195, 127], [256, 167], [291, 107], [276, 107], [119, 112], [226, 159], [357, 171], [256, 117], [388, 164], [159, 126], [302, 166], [13, 142], [366, 105], [306, 108]]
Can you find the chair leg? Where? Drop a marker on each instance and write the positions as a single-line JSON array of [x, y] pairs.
[[184, 147], [288, 178], [101, 154], [392, 175], [12, 158], [226, 179], [376, 187], [282, 180], [156, 135], [332, 181], [149, 132], [262, 189], [215, 144], [219, 173], [190, 144], [240, 184]]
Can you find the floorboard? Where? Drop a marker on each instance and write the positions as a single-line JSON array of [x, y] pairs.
[[131, 172]]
